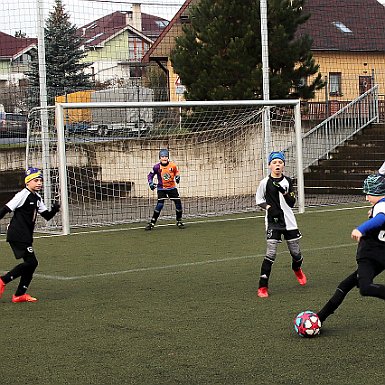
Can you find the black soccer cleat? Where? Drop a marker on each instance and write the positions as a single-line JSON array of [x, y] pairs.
[[149, 227], [180, 225]]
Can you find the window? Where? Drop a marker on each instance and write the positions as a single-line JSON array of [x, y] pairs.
[[136, 48], [161, 23], [23, 82], [302, 82], [335, 84], [184, 19], [365, 83], [342, 27]]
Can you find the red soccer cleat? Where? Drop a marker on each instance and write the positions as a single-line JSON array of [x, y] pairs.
[[301, 277], [2, 287], [262, 292], [23, 298]]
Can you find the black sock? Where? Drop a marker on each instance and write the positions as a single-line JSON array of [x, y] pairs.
[[332, 305], [155, 217], [265, 272], [296, 262]]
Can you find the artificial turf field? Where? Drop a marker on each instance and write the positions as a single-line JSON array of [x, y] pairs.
[[171, 306]]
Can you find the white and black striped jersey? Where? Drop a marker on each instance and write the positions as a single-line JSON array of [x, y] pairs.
[[280, 216], [25, 206]]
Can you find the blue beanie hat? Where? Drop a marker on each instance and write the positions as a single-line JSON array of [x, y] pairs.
[[32, 173], [277, 155], [163, 152]]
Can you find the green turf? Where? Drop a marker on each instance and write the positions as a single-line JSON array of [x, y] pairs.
[[179, 307]]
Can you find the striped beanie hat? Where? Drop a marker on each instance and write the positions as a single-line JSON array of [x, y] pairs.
[[32, 173]]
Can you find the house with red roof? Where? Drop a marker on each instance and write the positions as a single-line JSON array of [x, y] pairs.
[[116, 43], [348, 44], [15, 56]]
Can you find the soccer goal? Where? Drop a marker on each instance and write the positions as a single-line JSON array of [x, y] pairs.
[[97, 155]]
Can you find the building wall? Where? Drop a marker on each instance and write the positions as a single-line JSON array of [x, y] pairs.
[[351, 65], [12, 72], [115, 49], [174, 96], [206, 160]]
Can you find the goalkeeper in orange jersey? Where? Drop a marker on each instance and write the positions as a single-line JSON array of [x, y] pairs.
[[275, 195], [167, 175]]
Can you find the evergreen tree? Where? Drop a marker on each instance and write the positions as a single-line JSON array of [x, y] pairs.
[[218, 56], [64, 67]]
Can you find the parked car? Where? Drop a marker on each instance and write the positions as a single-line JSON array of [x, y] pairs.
[[13, 125]]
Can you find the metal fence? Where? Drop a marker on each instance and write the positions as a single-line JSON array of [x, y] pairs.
[[321, 140]]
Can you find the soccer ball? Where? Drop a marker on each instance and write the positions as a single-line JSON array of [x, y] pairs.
[[307, 324]]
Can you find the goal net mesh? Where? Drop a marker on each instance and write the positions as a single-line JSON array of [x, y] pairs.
[[218, 149]]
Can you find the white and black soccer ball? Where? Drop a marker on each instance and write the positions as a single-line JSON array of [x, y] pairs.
[[307, 324]]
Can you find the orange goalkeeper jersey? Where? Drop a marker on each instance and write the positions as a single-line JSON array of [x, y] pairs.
[[164, 174]]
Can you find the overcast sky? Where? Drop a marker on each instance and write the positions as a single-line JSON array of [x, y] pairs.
[[18, 15]]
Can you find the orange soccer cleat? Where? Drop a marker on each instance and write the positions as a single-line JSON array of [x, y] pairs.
[[2, 287], [301, 277], [23, 298]]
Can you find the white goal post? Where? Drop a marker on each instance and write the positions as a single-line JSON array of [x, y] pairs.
[[219, 146]]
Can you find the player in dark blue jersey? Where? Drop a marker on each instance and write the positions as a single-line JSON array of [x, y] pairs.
[[25, 206], [370, 250]]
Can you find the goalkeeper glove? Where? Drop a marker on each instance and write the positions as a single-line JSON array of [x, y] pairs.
[[177, 179], [55, 207], [280, 188], [152, 185]]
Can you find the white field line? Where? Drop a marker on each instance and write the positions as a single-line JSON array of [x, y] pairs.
[[175, 266], [262, 215], [187, 264]]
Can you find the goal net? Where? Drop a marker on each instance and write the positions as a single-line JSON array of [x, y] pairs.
[[98, 156]]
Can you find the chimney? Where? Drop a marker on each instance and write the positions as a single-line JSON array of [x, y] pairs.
[[136, 16]]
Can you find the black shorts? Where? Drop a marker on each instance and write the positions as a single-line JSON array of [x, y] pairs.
[[289, 235], [21, 250], [367, 270], [164, 194]]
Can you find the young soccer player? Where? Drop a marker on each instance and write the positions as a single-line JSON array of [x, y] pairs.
[[370, 255], [275, 195], [167, 174], [25, 206]]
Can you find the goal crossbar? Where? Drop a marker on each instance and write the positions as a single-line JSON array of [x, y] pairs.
[[60, 109]]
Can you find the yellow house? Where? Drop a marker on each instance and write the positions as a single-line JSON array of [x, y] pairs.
[[348, 44]]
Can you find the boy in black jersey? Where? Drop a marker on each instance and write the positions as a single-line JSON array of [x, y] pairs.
[[275, 195], [370, 256], [25, 206]]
